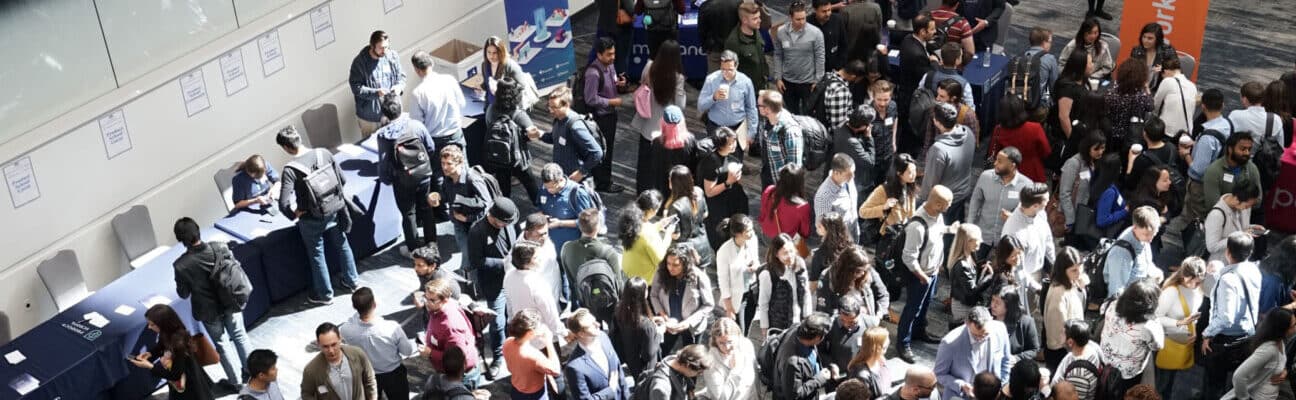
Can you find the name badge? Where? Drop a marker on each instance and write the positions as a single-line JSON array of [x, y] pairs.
[[562, 141], [1228, 178], [735, 105], [787, 44], [543, 199], [889, 121], [490, 240], [1084, 175], [322, 389], [1013, 194]]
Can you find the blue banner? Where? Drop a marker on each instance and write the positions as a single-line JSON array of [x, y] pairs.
[[540, 39]]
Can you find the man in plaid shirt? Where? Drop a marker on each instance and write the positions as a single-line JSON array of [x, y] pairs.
[[837, 98], [780, 135]]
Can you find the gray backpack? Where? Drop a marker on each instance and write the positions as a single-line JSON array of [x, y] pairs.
[[323, 187]]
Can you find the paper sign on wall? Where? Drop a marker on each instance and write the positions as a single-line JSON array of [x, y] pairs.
[[391, 5], [194, 90], [232, 73], [116, 138], [21, 179], [271, 54], [322, 25]]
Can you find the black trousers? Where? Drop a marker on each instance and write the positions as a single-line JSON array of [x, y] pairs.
[[1096, 5], [796, 97], [655, 39], [607, 124], [395, 384], [416, 214], [523, 174]]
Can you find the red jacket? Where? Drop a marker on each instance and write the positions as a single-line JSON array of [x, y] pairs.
[[1029, 139], [450, 327]]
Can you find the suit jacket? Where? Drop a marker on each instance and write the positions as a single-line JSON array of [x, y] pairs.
[[363, 385], [585, 380], [954, 358]]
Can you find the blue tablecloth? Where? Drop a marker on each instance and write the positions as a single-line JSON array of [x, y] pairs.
[[694, 56], [473, 109], [73, 359], [987, 86]]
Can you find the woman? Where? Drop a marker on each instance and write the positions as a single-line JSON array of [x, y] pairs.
[[1153, 190], [736, 265], [784, 208], [636, 337], [836, 239], [1268, 360], [508, 101], [1276, 100], [1105, 194], [869, 364], [664, 76], [1065, 301], [1181, 296], [732, 375], [950, 92], [176, 361], [1023, 337], [529, 367], [686, 202], [781, 286], [895, 201], [1089, 39], [854, 274], [1006, 254], [1073, 188], [1072, 84], [1024, 382], [1129, 335], [256, 183], [644, 240], [1152, 51], [1128, 98], [1017, 130], [496, 66], [965, 273], [681, 294], [674, 147], [721, 175]]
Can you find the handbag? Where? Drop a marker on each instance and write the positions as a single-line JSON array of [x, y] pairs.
[[204, 352], [643, 101], [1177, 356], [1086, 223], [802, 249]]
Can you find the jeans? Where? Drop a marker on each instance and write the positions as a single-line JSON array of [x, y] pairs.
[[607, 124], [461, 236], [523, 175], [394, 384], [317, 233], [473, 378], [796, 97], [232, 324], [415, 214], [914, 317]]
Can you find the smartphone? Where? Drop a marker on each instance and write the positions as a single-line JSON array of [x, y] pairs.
[[671, 221]]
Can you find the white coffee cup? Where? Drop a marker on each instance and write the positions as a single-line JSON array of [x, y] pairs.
[[724, 88], [891, 24], [1136, 149]]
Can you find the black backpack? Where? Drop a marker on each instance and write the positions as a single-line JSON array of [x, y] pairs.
[[233, 288], [411, 159], [594, 131], [1096, 262], [1024, 75], [503, 151], [323, 187], [661, 15], [920, 108], [816, 140], [492, 185], [1108, 385], [1195, 235], [649, 379], [767, 355], [895, 249], [1268, 153], [818, 109], [577, 85], [942, 30], [1084, 376], [598, 289]]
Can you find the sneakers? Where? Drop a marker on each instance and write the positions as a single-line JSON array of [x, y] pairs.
[[493, 371], [318, 302], [343, 288], [907, 355]]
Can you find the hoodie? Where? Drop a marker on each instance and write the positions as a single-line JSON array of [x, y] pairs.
[[387, 137], [949, 161], [369, 75], [438, 387]]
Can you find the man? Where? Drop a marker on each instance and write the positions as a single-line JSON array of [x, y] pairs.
[[885, 126], [522, 291], [1029, 224], [915, 62], [194, 278], [321, 229], [838, 194], [611, 26], [843, 338], [986, 13], [924, 247], [448, 327], [855, 140], [833, 28], [728, 98], [562, 201], [588, 247], [798, 374], [593, 370], [837, 98], [950, 159], [1176, 98], [863, 32], [574, 147], [1041, 41], [798, 59], [980, 344], [959, 31], [536, 230], [375, 72], [383, 341], [853, 388], [996, 194], [1253, 117], [715, 21], [264, 384], [1237, 167], [781, 135], [1209, 147], [746, 41], [410, 180], [1130, 259], [449, 385], [1079, 346], [919, 382], [490, 239], [601, 98], [438, 104], [1064, 390], [676, 375], [1235, 309], [464, 192], [951, 58], [339, 371], [1234, 215], [427, 266]]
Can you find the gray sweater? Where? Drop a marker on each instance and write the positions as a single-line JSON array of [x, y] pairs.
[[949, 163], [1074, 187], [1251, 379], [798, 55]]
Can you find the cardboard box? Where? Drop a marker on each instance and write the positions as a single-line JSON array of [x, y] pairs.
[[457, 58]]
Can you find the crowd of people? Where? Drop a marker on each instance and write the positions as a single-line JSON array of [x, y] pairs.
[[1077, 228]]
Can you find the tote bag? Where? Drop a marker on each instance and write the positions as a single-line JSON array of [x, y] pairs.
[[1177, 356]]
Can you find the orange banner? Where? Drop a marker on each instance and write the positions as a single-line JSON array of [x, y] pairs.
[[1183, 21]]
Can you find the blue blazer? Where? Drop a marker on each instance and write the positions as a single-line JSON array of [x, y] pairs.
[[585, 380], [954, 358]]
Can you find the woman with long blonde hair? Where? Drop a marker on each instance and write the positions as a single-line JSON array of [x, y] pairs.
[[869, 364], [965, 274]]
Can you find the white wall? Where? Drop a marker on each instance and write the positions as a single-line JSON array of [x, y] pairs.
[[173, 158]]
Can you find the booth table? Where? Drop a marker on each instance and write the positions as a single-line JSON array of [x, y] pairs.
[[987, 85]]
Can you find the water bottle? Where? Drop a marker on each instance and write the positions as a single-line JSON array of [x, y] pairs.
[[985, 59]]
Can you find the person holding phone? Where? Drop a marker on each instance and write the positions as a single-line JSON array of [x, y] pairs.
[[175, 360], [1181, 296]]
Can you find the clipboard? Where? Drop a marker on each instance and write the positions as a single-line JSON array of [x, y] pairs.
[[744, 138]]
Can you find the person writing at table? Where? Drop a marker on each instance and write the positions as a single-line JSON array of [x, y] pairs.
[[186, 379], [254, 184]]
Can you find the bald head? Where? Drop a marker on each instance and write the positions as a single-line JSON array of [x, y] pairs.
[[938, 200], [919, 375]]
